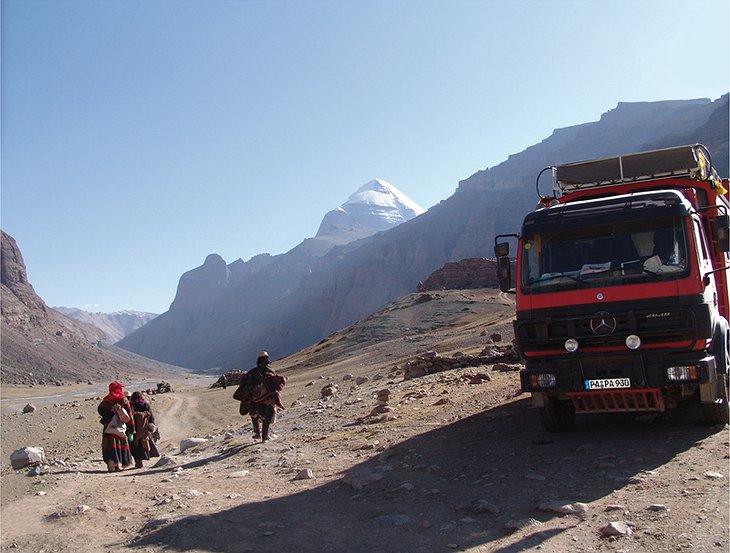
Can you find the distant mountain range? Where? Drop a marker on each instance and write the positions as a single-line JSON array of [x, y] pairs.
[[42, 346], [115, 325], [222, 314]]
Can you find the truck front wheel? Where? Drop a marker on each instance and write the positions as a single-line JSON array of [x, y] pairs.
[[717, 412], [557, 415]]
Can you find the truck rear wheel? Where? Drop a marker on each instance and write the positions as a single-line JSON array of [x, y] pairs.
[[557, 415]]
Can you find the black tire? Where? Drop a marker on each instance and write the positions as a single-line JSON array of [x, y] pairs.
[[719, 411], [557, 415]]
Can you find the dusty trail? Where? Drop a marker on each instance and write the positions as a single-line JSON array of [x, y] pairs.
[[176, 414]]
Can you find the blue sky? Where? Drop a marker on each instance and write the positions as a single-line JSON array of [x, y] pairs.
[[138, 137]]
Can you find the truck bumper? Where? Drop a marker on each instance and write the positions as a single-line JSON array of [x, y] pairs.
[[568, 378]]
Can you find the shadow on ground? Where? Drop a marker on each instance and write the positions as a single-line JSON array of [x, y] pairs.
[[501, 455]]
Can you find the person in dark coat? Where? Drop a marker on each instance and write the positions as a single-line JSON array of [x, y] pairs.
[[143, 446], [259, 396]]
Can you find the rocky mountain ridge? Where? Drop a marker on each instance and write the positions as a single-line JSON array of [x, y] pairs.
[[42, 346], [284, 304]]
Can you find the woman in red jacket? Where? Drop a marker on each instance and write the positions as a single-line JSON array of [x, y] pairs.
[[115, 446]]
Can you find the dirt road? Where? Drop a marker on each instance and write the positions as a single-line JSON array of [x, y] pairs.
[[434, 478]]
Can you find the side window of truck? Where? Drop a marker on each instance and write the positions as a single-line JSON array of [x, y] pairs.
[[703, 243]]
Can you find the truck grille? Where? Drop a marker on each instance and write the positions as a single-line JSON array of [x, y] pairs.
[[605, 329]]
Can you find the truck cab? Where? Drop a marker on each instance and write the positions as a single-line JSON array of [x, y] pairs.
[[622, 288]]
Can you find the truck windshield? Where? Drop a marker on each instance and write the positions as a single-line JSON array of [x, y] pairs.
[[605, 255]]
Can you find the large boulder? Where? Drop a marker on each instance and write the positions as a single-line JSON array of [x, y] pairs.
[[27, 456]]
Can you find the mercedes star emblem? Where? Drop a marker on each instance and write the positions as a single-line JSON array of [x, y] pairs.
[[603, 323]]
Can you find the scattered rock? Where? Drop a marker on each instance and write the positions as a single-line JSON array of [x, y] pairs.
[[564, 507], [305, 474], [617, 528], [514, 525], [29, 408], [383, 396], [165, 460], [713, 475], [379, 410], [36, 470], [657, 507], [614, 508], [187, 443]]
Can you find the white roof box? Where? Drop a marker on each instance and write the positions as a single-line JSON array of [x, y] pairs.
[[692, 161]]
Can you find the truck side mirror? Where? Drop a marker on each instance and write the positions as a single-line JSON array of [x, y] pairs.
[[504, 273], [722, 231], [501, 249]]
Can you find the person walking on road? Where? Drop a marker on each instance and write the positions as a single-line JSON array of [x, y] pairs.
[[115, 412], [260, 395]]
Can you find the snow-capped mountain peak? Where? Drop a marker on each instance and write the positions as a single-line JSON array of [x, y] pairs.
[[376, 206]]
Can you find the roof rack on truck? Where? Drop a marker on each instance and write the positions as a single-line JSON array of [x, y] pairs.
[[691, 161]]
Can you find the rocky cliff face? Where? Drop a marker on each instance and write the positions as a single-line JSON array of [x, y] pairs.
[[476, 272], [41, 346], [287, 302], [20, 304]]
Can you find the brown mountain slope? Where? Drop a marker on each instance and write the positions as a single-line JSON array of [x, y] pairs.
[[41, 346]]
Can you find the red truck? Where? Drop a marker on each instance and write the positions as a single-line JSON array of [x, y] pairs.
[[622, 287]]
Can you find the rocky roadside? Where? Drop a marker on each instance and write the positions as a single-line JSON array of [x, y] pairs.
[[436, 463]]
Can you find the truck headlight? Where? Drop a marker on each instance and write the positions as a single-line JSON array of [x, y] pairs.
[[682, 372], [543, 380], [571, 345], [633, 341]]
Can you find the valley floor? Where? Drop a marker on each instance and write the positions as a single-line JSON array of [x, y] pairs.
[[453, 465]]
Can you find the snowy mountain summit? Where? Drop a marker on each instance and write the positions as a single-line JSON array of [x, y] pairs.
[[376, 206]]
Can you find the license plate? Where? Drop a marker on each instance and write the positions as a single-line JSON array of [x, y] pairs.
[[606, 383]]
